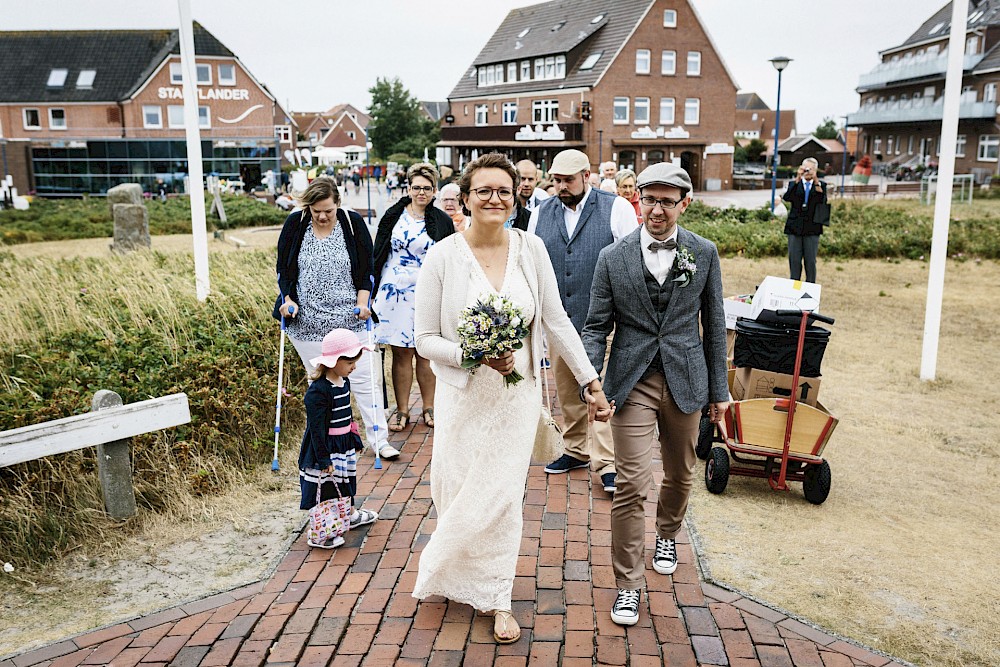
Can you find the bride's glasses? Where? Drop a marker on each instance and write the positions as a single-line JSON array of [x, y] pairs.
[[486, 194]]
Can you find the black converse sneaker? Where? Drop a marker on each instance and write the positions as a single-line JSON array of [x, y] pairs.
[[626, 609], [665, 558]]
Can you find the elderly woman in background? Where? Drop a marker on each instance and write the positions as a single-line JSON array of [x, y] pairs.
[[407, 230], [450, 205], [324, 269], [482, 448], [625, 182]]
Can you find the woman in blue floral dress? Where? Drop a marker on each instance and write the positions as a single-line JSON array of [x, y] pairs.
[[406, 231]]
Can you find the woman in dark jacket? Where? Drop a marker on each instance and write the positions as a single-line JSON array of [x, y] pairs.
[[406, 231], [324, 274]]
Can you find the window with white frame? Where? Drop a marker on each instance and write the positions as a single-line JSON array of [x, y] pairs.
[[620, 108], [85, 79], [481, 71], [511, 72], [175, 116], [227, 74], [57, 78], [482, 114], [204, 74], [669, 18], [889, 145], [591, 60], [152, 116], [550, 67], [877, 147], [509, 113], [352, 134], [545, 111], [641, 116], [539, 68], [57, 119], [990, 92], [909, 145], [694, 63], [498, 71], [668, 63], [32, 119], [314, 137], [490, 76], [960, 146], [525, 70], [204, 117], [666, 111], [642, 61], [175, 73], [899, 144], [692, 111], [560, 67], [283, 133], [989, 147]]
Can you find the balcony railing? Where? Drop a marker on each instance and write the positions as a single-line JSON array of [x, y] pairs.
[[573, 132], [910, 112], [912, 68]]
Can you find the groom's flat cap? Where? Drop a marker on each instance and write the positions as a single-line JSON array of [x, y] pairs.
[[665, 173]]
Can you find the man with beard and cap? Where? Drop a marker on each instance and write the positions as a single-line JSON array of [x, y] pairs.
[[656, 289], [575, 226], [528, 196]]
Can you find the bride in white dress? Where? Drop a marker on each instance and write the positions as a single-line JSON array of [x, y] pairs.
[[485, 430]]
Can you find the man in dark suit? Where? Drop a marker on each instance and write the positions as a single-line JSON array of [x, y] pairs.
[[804, 193], [656, 288]]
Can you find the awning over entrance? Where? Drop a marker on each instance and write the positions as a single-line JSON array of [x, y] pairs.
[[512, 144]]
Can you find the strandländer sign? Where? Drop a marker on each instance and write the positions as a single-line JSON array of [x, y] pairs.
[[166, 93]]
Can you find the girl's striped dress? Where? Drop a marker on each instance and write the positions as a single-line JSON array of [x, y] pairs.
[[344, 444]]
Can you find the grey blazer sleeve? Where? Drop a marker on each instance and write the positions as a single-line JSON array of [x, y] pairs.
[[601, 316], [713, 323]]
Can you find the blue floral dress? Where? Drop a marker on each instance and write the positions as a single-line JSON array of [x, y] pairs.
[[394, 302]]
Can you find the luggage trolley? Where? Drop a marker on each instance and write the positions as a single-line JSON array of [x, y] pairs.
[[778, 439]]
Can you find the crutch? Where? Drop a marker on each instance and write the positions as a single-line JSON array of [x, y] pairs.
[[281, 375], [371, 373]]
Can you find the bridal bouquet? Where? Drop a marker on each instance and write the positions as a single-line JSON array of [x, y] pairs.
[[488, 329]]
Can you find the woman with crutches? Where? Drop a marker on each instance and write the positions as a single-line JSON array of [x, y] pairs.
[[324, 274]]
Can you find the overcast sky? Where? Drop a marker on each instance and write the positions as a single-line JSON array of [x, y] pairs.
[[319, 53]]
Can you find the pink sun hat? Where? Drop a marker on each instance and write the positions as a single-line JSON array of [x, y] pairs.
[[339, 343]]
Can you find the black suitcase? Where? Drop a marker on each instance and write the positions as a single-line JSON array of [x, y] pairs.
[[772, 346]]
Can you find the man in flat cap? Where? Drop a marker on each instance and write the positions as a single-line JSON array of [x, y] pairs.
[[575, 225], [656, 288]]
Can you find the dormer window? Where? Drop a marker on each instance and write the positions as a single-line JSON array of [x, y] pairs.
[[86, 78], [591, 61], [57, 78]]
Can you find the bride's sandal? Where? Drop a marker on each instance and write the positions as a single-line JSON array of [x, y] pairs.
[[507, 618]]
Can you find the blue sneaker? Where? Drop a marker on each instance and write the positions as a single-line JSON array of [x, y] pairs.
[[608, 480], [565, 463], [546, 363]]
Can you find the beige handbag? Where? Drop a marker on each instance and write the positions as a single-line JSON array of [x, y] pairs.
[[548, 437]]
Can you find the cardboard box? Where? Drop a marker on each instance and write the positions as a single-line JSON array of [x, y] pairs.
[[730, 346], [737, 306], [782, 293], [751, 383]]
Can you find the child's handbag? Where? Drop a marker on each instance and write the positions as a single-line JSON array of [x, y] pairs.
[[329, 518], [548, 436]]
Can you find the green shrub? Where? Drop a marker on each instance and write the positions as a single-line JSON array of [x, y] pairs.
[[141, 341], [60, 219]]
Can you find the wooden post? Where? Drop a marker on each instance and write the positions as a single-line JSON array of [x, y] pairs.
[[114, 467]]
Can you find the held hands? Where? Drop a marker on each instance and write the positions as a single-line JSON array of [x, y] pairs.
[[716, 410], [598, 407], [504, 364], [289, 308]]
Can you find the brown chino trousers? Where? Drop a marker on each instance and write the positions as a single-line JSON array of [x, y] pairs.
[[587, 442], [633, 425]]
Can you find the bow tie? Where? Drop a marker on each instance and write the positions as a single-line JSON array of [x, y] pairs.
[[669, 244]]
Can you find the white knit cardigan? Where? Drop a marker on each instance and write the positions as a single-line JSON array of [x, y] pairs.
[[441, 297]]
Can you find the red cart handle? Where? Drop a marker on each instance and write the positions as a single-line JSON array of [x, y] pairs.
[[809, 313]]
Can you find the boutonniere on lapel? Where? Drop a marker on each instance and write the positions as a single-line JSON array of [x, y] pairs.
[[684, 267]]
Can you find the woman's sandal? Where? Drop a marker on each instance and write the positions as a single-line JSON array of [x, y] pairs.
[[428, 414], [398, 421], [507, 617]]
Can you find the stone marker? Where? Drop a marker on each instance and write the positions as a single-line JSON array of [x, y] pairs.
[[126, 193], [131, 227], [114, 467]]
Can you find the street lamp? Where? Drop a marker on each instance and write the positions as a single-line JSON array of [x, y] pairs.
[[780, 63]]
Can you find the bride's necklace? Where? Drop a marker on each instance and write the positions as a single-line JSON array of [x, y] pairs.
[[487, 260]]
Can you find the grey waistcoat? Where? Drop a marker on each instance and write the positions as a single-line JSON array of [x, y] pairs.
[[574, 258]]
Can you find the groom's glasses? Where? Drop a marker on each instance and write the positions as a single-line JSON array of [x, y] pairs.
[[653, 201], [486, 194]]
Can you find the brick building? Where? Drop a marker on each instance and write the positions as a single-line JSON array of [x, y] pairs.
[[755, 120], [902, 98], [81, 111], [634, 81]]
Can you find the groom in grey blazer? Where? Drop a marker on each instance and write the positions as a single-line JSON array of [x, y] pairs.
[[656, 288]]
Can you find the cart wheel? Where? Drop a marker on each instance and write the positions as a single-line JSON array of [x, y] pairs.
[[706, 433], [717, 470], [816, 485]]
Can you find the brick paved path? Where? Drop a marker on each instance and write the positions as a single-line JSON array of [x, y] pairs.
[[352, 606]]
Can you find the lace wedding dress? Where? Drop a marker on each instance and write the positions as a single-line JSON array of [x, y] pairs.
[[482, 449]]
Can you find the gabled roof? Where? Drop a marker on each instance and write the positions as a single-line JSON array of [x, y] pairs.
[[985, 13], [797, 141], [335, 111], [750, 102], [435, 110], [123, 60], [606, 36]]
